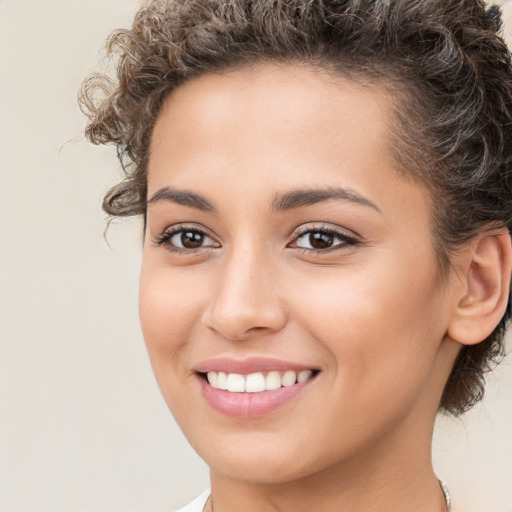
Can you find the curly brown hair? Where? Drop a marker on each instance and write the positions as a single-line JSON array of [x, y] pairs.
[[445, 58]]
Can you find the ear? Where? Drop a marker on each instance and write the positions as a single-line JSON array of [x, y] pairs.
[[484, 268]]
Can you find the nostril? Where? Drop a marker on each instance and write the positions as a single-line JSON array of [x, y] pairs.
[[256, 329]]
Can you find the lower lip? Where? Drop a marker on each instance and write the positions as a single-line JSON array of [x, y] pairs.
[[250, 405]]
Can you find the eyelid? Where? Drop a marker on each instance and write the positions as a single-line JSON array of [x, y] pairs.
[[323, 227], [349, 238], [166, 235]]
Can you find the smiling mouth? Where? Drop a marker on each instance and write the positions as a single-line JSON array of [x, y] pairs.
[[257, 382]]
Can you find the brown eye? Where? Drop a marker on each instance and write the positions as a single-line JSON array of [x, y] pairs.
[[321, 240], [191, 239], [186, 239]]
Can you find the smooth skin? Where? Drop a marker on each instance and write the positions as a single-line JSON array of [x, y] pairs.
[[367, 305]]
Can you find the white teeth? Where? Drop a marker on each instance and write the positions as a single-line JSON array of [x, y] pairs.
[[213, 379], [304, 376], [289, 378], [222, 380], [256, 382], [273, 381], [236, 383]]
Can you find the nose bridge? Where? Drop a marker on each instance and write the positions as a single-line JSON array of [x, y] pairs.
[[245, 299]]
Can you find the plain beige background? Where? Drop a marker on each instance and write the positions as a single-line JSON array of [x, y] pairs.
[[82, 423]]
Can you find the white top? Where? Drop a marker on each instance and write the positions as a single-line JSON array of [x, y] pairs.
[[198, 504]]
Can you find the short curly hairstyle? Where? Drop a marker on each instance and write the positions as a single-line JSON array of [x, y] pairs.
[[445, 58]]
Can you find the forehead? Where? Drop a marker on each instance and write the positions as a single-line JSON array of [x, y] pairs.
[[280, 87], [278, 110], [259, 131]]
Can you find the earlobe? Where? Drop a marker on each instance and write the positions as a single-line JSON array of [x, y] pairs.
[[485, 275]]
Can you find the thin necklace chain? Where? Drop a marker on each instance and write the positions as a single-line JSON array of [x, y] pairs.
[[444, 488], [447, 497]]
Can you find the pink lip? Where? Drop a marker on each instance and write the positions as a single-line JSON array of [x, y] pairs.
[[249, 405], [250, 365]]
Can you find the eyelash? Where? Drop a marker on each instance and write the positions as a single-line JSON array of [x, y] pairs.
[[166, 236], [347, 240]]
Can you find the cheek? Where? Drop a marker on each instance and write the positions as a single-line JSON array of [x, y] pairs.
[[168, 309], [168, 312], [382, 329]]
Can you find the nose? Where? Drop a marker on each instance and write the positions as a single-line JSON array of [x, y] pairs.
[[245, 301]]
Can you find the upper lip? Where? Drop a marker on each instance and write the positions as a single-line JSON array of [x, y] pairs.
[[249, 365]]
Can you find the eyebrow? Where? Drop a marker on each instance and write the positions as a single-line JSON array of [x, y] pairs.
[[281, 202], [307, 197], [182, 197]]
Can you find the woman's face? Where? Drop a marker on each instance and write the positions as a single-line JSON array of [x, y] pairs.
[[281, 238]]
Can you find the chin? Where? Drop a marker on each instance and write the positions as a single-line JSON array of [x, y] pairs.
[[261, 471], [259, 458]]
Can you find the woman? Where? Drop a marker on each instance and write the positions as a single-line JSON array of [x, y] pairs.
[[327, 195]]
